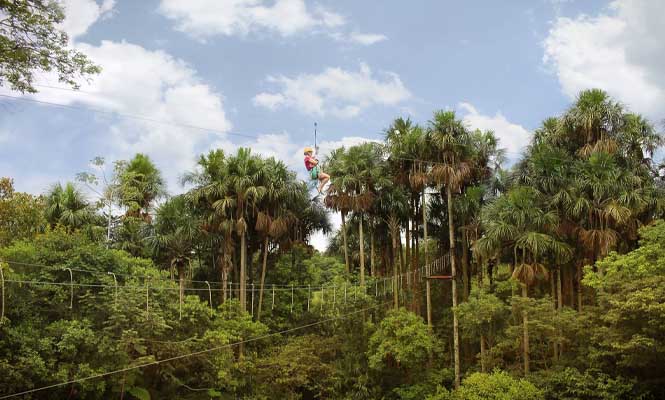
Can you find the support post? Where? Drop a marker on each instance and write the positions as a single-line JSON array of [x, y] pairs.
[[252, 299], [71, 288], [210, 297], [147, 297], [429, 305], [2, 281], [115, 282]]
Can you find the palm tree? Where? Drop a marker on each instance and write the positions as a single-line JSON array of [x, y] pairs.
[[365, 175], [522, 221], [592, 123], [392, 207], [210, 189], [175, 233], [245, 190], [450, 142], [140, 184], [407, 147], [338, 197], [67, 206], [274, 217]]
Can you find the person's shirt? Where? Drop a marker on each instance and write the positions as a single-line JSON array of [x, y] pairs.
[[310, 162]]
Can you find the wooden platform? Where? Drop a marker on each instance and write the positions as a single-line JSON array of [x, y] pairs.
[[440, 277]]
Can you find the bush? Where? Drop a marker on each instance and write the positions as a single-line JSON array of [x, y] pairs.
[[498, 385]]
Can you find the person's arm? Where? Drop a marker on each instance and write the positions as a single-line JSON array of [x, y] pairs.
[[314, 161]]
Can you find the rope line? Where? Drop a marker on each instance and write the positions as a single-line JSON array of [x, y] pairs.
[[178, 124], [423, 270], [104, 273], [196, 353]]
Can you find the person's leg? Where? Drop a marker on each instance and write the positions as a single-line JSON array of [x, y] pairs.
[[323, 179]]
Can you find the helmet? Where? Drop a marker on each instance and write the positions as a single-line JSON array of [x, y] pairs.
[[308, 150]]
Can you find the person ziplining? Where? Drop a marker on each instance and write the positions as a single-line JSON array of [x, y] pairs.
[[314, 169]]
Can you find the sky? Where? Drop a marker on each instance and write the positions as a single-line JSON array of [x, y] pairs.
[[205, 74]]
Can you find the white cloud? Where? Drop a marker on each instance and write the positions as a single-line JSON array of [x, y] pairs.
[[620, 51], [82, 14], [206, 18], [269, 100], [141, 82], [366, 39], [156, 85], [512, 137], [335, 91]]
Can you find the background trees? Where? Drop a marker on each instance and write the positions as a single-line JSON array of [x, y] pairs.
[[574, 223], [31, 42]]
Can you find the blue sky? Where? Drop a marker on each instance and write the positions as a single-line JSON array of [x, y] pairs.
[[271, 68]]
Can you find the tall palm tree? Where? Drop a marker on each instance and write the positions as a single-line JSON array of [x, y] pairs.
[[392, 207], [365, 175], [140, 184], [274, 218], [175, 233], [407, 148], [339, 195], [67, 205], [451, 152], [245, 190], [591, 123], [521, 220]]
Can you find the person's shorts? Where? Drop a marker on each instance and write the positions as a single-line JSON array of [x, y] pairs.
[[314, 173]]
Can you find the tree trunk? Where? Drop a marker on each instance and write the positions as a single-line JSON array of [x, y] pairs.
[[346, 247], [559, 299], [362, 251], [395, 273], [482, 354], [453, 271], [263, 277], [415, 237], [401, 253], [555, 344], [525, 326], [225, 276], [243, 266], [425, 246], [579, 288], [465, 267], [429, 304], [181, 284], [571, 286], [408, 246], [372, 269]]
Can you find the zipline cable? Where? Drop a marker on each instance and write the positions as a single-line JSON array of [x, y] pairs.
[[141, 276], [177, 124], [210, 350], [130, 116]]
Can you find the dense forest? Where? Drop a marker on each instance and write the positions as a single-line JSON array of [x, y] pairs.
[[556, 264], [460, 271]]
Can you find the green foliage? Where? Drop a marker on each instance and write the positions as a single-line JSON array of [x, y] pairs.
[[21, 214], [630, 320], [582, 189], [140, 183], [302, 367], [402, 340], [481, 314], [498, 385], [67, 206], [31, 41], [571, 384]]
